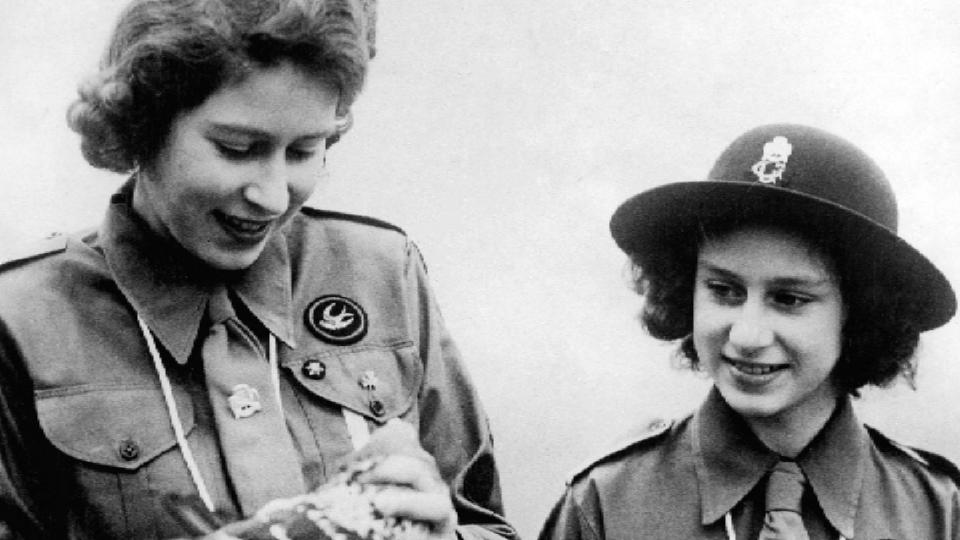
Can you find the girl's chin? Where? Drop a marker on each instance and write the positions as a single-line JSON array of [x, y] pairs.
[[752, 406], [750, 403]]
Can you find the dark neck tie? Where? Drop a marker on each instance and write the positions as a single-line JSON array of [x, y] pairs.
[[782, 519], [257, 448]]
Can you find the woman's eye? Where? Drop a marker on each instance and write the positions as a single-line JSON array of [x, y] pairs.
[[233, 151], [300, 154]]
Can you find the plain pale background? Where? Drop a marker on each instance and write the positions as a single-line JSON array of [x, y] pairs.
[[502, 134]]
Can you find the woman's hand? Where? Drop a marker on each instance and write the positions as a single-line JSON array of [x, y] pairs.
[[413, 488]]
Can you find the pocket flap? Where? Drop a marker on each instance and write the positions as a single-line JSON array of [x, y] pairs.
[[378, 382], [117, 426]]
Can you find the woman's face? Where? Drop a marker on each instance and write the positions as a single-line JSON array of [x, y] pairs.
[[767, 321], [236, 168]]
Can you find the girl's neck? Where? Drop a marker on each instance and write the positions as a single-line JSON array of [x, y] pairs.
[[789, 432]]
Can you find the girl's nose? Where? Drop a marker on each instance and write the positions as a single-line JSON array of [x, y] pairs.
[[749, 332]]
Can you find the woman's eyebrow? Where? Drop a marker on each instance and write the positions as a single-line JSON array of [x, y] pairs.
[[228, 129]]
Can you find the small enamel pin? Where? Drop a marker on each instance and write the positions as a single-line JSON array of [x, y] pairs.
[[336, 319], [244, 401], [368, 380], [769, 169]]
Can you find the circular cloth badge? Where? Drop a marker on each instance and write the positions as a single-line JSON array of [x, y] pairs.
[[336, 319]]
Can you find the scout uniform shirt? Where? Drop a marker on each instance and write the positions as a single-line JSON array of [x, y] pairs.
[[86, 443], [680, 481]]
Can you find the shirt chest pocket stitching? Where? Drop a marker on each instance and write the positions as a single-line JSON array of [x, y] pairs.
[[344, 376], [121, 427]]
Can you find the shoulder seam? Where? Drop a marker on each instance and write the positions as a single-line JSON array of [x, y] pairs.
[[652, 431], [930, 460], [47, 246], [356, 218]]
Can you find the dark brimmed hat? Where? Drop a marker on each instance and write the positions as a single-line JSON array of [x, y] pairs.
[[801, 177]]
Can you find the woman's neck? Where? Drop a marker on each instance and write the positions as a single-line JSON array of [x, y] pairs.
[[789, 432]]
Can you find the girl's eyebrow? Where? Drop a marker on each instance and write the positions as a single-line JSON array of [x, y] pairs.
[[800, 279]]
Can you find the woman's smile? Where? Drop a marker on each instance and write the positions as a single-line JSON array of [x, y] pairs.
[[251, 231], [238, 166]]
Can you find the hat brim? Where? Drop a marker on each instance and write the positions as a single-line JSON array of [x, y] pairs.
[[672, 215]]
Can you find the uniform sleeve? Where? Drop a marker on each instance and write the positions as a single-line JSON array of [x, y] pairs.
[[567, 521], [453, 425], [27, 470]]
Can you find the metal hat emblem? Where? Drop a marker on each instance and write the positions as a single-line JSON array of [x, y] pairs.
[[769, 169], [336, 319]]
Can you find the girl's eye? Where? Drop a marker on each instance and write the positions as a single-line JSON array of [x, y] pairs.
[[791, 300], [725, 292]]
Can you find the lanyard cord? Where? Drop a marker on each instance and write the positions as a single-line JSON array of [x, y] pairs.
[[732, 534], [356, 425], [174, 415]]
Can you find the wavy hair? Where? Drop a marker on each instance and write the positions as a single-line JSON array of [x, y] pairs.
[[168, 56]]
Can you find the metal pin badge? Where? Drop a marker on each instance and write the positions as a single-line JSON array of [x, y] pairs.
[[244, 401], [368, 381]]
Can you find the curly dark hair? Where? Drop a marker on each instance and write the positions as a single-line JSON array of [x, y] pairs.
[[880, 334], [168, 56]]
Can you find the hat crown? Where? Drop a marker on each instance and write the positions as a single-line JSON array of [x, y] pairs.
[[812, 162]]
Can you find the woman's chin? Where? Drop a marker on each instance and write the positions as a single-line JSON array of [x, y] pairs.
[[230, 260]]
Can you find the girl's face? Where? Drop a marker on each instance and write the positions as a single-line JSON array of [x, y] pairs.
[[767, 321], [234, 169]]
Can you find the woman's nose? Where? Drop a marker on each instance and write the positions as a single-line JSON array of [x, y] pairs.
[[750, 331], [270, 191]]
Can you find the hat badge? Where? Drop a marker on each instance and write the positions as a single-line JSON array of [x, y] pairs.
[[769, 169]]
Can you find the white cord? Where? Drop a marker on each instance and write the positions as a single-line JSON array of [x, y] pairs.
[[275, 372], [175, 416], [728, 522], [356, 427]]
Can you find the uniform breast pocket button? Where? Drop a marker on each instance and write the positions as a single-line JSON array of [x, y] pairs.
[[377, 407], [314, 369], [128, 450]]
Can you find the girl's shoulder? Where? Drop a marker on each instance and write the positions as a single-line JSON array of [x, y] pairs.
[[644, 442], [926, 466]]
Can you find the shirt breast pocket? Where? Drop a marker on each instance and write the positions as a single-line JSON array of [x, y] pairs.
[[378, 382], [112, 438]]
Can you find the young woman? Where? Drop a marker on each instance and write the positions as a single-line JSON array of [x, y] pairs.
[[783, 278], [214, 338]]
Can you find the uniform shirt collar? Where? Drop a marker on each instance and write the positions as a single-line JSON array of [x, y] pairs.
[[730, 461], [170, 288], [835, 462]]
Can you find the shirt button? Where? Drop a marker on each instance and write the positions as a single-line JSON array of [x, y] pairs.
[[314, 369], [128, 450], [377, 407]]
